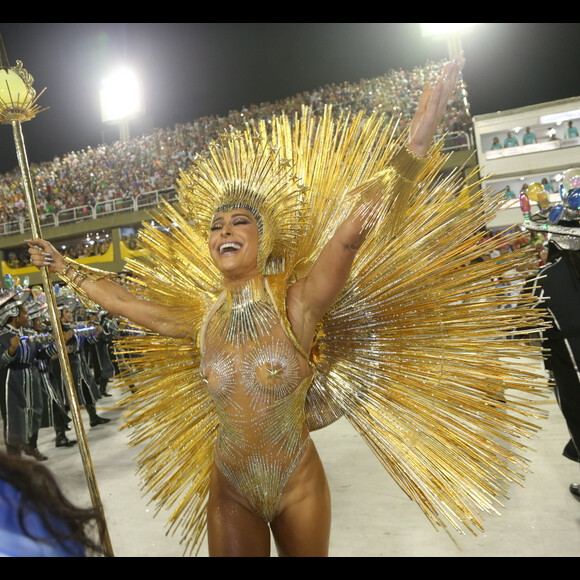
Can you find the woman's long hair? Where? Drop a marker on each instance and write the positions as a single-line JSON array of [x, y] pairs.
[[42, 495]]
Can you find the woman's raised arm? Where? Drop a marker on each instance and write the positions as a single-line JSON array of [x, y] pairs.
[[310, 298]]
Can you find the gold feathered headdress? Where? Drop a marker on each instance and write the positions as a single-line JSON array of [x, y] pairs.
[[240, 170]]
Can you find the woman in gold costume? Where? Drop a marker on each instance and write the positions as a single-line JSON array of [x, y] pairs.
[[242, 285]]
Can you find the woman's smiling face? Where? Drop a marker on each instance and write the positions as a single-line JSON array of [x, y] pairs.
[[233, 243]]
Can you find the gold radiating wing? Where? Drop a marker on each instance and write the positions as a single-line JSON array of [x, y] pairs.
[[429, 354], [167, 408], [426, 352]]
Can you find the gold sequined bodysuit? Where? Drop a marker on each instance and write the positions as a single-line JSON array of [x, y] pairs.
[[258, 382]]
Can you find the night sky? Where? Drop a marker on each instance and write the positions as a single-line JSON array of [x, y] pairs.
[[191, 70]]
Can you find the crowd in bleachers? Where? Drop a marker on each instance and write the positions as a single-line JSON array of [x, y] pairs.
[[102, 175]]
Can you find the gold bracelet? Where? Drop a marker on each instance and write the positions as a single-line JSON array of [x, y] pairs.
[[408, 165], [74, 274]]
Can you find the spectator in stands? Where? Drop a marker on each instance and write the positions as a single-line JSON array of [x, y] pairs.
[[547, 185], [13, 261], [571, 131], [529, 137], [510, 140], [496, 144], [509, 193]]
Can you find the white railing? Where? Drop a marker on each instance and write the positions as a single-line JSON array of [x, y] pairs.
[[89, 212]]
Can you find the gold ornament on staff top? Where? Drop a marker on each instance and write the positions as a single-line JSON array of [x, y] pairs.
[[18, 103], [17, 97]]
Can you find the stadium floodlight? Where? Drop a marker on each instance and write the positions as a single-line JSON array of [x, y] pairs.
[[121, 99], [444, 28], [449, 30]]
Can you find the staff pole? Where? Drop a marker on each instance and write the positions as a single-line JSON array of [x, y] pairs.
[[18, 103]]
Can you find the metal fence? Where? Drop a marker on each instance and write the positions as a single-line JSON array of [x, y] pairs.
[[80, 213]]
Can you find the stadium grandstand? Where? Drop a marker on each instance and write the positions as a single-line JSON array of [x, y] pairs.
[[91, 202]]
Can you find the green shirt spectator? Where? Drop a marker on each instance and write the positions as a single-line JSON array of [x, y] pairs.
[[529, 137], [510, 141]]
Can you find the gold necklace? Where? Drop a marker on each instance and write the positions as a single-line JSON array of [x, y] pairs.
[[246, 313]]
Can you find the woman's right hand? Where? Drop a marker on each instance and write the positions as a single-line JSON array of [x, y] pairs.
[[44, 254]]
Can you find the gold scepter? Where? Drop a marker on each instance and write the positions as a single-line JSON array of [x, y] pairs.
[[18, 103]]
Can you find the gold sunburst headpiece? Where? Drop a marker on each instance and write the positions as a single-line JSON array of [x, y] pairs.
[[240, 170]]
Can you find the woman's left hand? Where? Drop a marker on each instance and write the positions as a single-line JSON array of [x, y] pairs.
[[431, 107]]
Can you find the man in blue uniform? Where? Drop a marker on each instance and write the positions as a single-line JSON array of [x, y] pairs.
[[557, 287], [87, 390], [20, 394]]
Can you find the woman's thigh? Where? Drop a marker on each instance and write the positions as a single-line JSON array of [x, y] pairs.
[[302, 526], [233, 528]]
